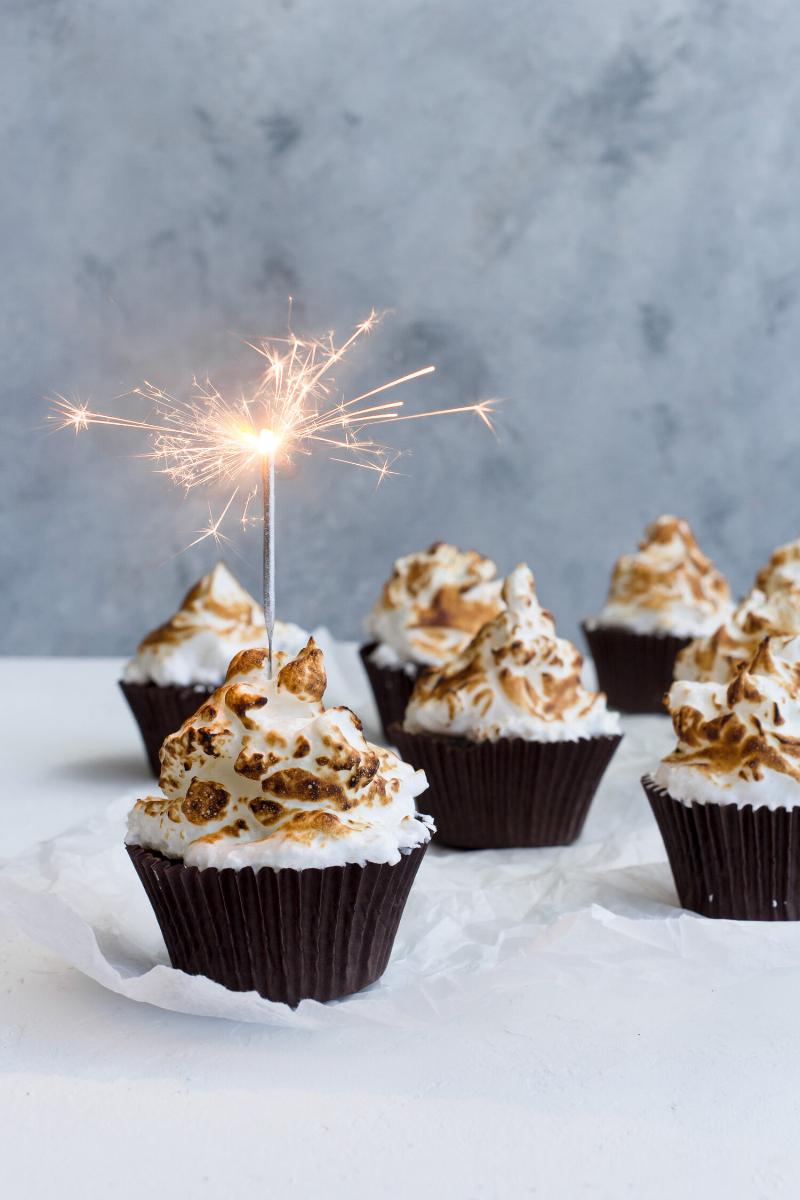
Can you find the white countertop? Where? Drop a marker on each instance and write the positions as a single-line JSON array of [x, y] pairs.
[[578, 1078]]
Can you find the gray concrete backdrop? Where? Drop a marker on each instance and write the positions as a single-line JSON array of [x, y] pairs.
[[588, 208]]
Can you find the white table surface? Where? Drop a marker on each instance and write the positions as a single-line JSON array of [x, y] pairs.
[[605, 1089]]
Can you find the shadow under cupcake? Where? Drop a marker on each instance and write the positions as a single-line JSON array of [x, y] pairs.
[[281, 857], [727, 799], [660, 598], [513, 746], [182, 662], [429, 609]]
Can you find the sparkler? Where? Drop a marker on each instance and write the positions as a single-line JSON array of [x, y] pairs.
[[293, 409]]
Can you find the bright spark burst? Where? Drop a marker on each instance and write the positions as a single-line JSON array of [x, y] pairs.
[[208, 438]]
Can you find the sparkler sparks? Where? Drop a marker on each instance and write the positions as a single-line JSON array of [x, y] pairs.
[[209, 438]]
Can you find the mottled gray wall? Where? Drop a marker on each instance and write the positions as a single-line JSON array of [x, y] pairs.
[[588, 208]]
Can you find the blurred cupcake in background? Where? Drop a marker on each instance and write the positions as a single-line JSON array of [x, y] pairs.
[[428, 611], [281, 854], [727, 799], [184, 660], [660, 598], [512, 743], [772, 609]]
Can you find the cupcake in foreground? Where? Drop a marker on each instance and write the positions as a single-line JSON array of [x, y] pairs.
[[727, 799], [186, 658], [660, 598], [429, 610], [282, 856], [513, 745]]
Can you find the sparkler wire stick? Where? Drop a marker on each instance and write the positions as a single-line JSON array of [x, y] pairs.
[[268, 497]]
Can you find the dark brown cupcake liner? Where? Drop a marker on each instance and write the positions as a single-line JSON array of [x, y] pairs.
[[633, 669], [742, 864], [318, 934], [391, 687], [497, 795], [159, 711]]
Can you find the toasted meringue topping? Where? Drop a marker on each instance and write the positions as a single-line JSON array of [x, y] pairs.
[[217, 618], [739, 742], [264, 775], [782, 572], [668, 586], [515, 679], [721, 655], [433, 605]]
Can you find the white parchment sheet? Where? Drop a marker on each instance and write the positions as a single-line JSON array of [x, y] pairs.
[[476, 922]]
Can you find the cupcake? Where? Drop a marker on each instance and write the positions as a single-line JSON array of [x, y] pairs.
[[660, 599], [727, 799], [513, 745], [282, 853], [185, 659], [428, 611]]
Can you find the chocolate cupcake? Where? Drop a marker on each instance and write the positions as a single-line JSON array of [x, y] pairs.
[[428, 611], [727, 799], [282, 855], [772, 609], [182, 662], [660, 599], [512, 743]]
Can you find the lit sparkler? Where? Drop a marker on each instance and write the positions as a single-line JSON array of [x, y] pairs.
[[293, 409]]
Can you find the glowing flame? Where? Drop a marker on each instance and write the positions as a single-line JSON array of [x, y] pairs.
[[293, 408]]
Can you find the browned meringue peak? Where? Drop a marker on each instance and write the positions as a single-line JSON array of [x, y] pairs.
[[515, 679], [740, 734], [264, 775], [669, 585], [217, 600], [433, 603], [217, 618], [782, 572], [730, 647]]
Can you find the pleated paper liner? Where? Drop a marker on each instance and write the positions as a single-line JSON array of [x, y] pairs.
[[159, 711], [633, 669], [319, 933], [742, 864], [497, 795], [391, 687]]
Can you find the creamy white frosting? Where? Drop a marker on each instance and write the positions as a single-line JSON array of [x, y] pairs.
[[432, 606], [515, 679], [263, 775], [669, 586], [216, 619], [739, 742]]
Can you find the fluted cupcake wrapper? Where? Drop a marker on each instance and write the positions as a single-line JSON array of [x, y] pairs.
[[742, 864], [319, 933], [497, 795], [391, 687], [159, 711], [633, 669]]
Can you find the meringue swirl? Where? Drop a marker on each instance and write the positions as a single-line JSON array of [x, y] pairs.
[[739, 742], [668, 586], [264, 775], [720, 656], [782, 572], [216, 618], [433, 605], [515, 679]]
